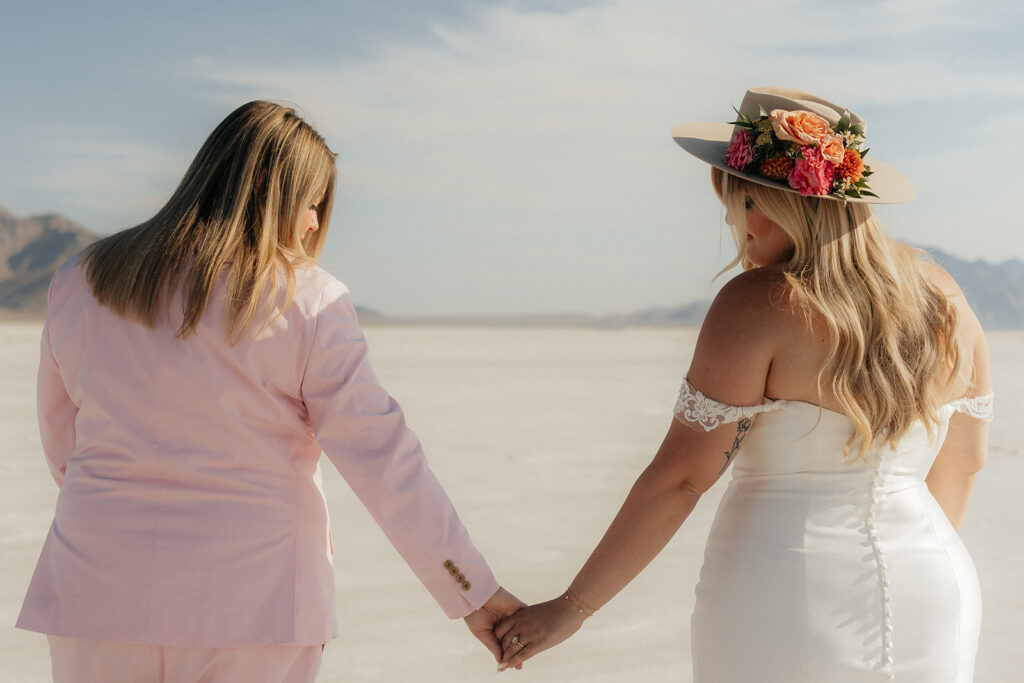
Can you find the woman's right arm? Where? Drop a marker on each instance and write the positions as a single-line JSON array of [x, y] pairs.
[[661, 499], [363, 431], [963, 454]]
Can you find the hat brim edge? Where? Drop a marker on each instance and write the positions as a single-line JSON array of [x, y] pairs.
[[708, 142]]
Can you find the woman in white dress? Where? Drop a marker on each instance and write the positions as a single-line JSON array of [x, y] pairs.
[[855, 377]]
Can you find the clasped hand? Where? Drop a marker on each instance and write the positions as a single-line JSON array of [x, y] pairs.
[[514, 632], [534, 629]]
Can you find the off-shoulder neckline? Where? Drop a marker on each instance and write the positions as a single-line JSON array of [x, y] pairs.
[[771, 402], [693, 406]]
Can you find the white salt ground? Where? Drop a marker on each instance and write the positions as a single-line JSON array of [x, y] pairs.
[[537, 435]]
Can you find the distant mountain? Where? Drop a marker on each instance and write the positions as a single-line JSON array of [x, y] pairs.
[[995, 291], [688, 315], [31, 250]]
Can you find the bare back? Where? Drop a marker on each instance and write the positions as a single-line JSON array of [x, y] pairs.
[[802, 350]]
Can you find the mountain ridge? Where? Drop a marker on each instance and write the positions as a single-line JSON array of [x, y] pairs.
[[31, 250], [33, 247]]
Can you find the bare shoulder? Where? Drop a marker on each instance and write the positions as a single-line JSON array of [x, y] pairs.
[[941, 279], [757, 295], [739, 337], [971, 334], [945, 283]]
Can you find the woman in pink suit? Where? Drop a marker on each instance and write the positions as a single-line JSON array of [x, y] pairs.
[[193, 369]]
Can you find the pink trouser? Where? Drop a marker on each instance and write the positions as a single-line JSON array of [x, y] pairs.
[[92, 661]]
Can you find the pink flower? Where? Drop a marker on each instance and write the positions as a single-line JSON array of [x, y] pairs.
[[739, 153], [801, 127], [812, 175], [832, 149]]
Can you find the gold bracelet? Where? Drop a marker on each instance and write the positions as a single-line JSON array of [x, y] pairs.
[[582, 607]]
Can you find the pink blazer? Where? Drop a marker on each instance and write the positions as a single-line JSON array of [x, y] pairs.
[[190, 510]]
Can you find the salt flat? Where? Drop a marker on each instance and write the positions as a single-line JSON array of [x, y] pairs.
[[537, 435]]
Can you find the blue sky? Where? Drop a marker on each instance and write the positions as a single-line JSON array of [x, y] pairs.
[[512, 156]]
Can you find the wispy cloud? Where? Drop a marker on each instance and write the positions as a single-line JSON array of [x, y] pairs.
[[95, 171], [506, 139], [520, 109]]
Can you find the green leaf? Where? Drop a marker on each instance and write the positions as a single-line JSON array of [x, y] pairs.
[[742, 119], [844, 122], [857, 129], [863, 152], [869, 193]]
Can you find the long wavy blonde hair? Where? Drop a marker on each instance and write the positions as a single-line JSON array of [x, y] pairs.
[[893, 345], [239, 203]]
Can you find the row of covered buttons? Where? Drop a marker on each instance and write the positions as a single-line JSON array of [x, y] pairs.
[[460, 579], [885, 584]]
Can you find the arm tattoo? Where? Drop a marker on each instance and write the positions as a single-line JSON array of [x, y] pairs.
[[742, 427]]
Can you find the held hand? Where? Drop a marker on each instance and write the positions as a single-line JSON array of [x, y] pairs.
[[534, 629], [482, 622]]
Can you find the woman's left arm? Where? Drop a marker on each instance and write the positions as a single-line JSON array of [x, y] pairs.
[[661, 499], [730, 363]]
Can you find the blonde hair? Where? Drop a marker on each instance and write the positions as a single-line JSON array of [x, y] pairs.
[[239, 203], [894, 352]]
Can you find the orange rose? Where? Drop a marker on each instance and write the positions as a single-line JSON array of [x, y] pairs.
[[832, 148], [801, 127]]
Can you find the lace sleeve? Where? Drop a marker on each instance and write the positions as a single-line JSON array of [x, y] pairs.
[[978, 407], [695, 409]]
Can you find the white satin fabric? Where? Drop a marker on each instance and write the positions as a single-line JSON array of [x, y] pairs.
[[816, 570]]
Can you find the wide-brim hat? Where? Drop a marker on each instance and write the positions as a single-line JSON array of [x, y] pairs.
[[708, 142]]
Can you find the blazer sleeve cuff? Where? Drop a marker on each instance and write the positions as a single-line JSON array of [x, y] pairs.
[[463, 587]]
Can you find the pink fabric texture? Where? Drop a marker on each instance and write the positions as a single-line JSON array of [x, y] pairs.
[[90, 661], [191, 511]]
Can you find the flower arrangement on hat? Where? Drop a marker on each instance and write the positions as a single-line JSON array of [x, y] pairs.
[[802, 149]]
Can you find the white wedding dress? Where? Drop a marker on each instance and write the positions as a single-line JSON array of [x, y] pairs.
[[819, 571]]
